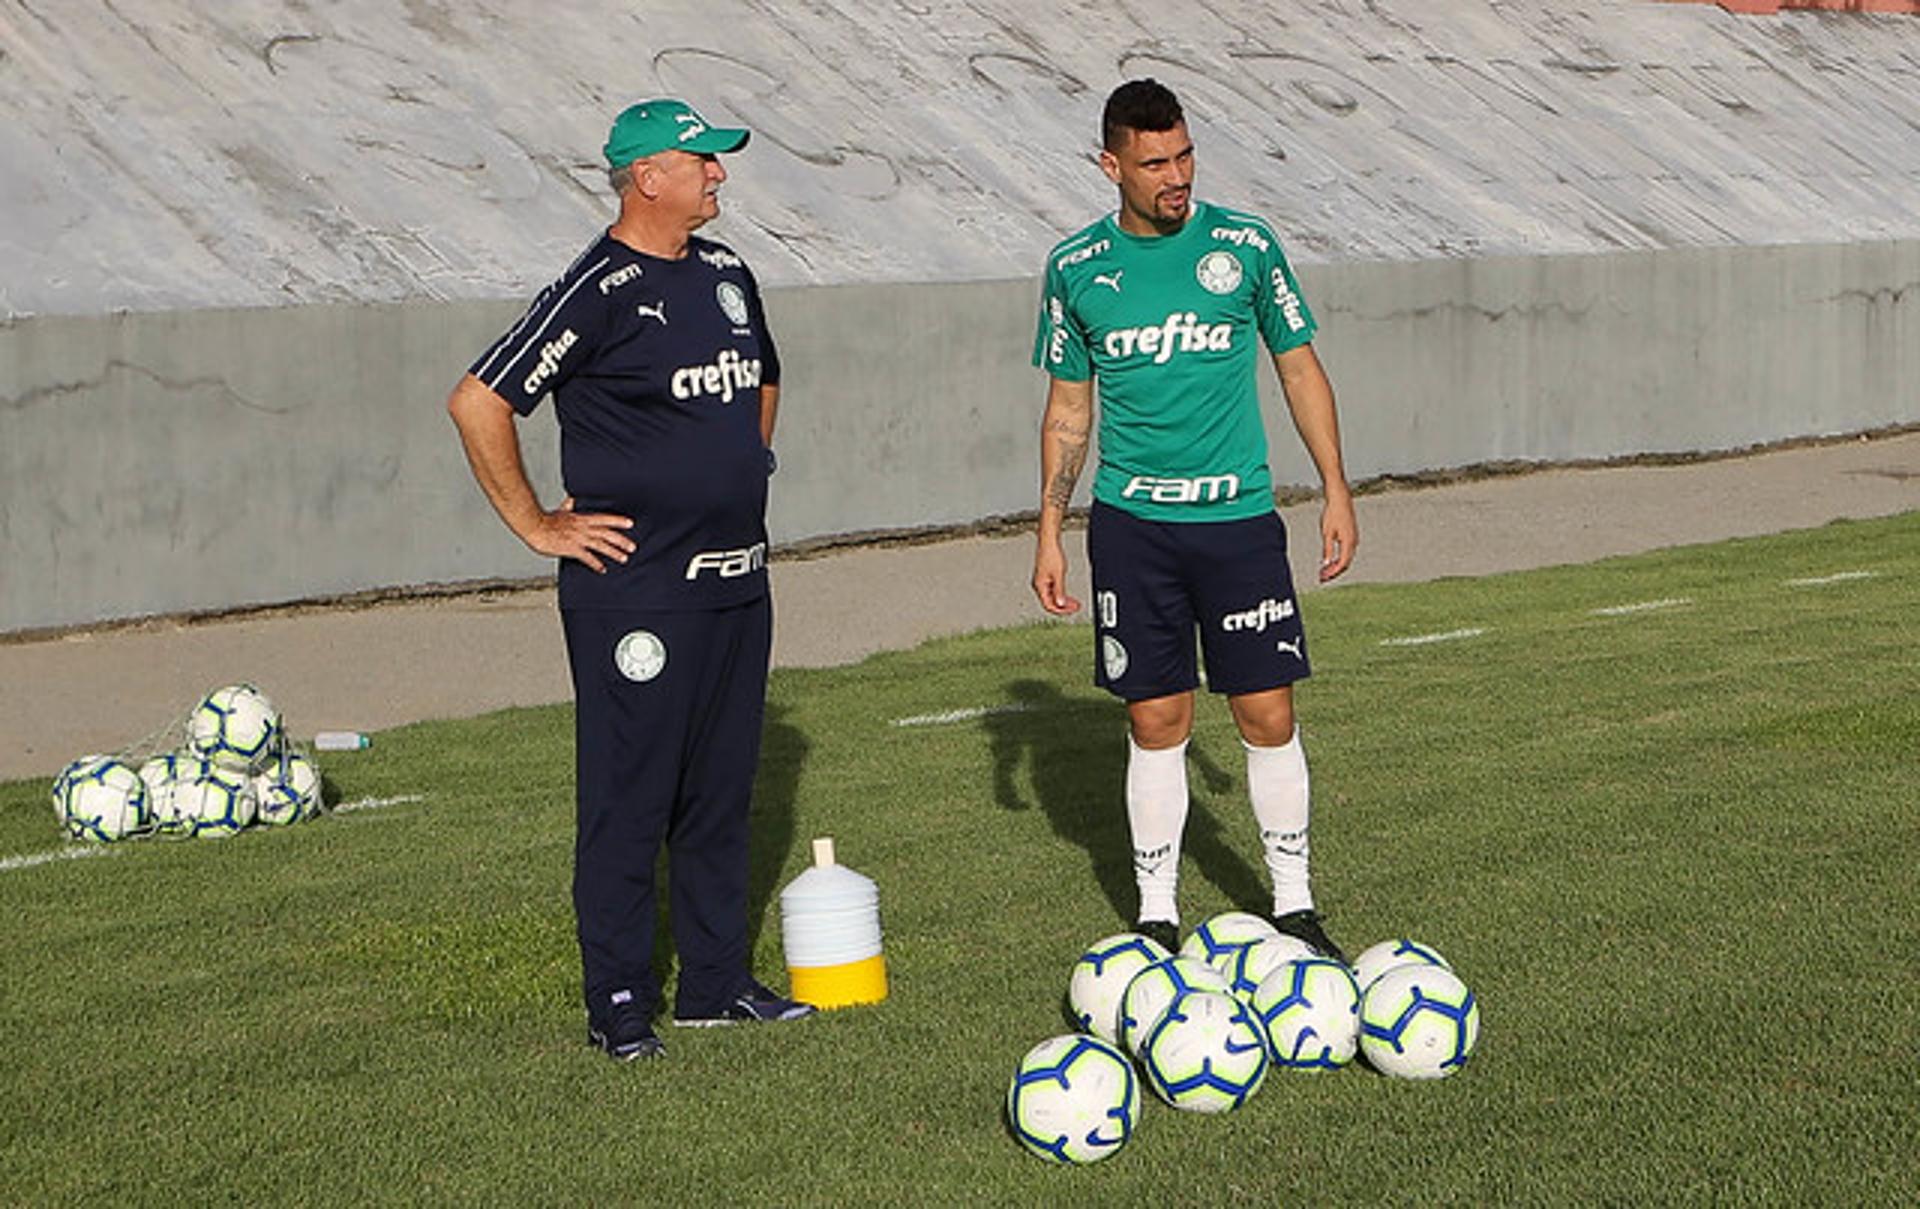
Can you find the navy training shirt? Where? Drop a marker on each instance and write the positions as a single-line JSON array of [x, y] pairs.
[[655, 367]]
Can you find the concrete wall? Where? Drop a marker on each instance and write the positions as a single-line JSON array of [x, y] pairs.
[[191, 460], [167, 154], [246, 248], [1451, 363]]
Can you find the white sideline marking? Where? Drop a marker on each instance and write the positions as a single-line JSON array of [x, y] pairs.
[[1645, 606], [1424, 639], [961, 715], [377, 803], [1823, 580], [46, 858], [12, 863]]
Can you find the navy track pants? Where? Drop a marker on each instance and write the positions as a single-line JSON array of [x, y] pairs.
[[668, 712]]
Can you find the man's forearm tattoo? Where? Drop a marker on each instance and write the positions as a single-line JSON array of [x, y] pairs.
[[1073, 456]]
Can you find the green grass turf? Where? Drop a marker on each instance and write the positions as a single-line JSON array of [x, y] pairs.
[[1674, 852]]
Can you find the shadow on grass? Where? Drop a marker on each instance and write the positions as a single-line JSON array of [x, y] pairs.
[[783, 753], [1074, 754]]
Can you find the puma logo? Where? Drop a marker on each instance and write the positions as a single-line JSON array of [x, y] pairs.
[[1112, 279], [1291, 648], [657, 311], [1286, 843]]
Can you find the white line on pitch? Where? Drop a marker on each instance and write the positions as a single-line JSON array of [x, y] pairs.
[[46, 858], [377, 803], [1645, 606], [1424, 639], [962, 715], [1823, 580]]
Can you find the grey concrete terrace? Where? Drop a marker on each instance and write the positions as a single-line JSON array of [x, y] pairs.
[[168, 153]]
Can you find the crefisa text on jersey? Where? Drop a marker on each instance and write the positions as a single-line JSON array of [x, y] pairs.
[[1181, 331], [1287, 301], [726, 375], [551, 354], [1241, 236]]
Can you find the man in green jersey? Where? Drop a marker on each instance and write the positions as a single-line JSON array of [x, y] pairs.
[[1164, 303]]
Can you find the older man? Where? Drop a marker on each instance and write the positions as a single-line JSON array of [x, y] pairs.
[[664, 377]]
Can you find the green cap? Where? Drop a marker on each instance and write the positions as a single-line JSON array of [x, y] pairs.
[[661, 124]]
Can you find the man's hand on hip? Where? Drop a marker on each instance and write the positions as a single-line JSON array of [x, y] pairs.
[[586, 536]]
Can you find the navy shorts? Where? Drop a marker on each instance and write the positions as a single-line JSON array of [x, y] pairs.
[[1155, 581]]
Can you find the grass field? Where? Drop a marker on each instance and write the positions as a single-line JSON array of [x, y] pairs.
[[1673, 847]]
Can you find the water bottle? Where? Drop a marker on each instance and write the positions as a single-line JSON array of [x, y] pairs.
[[830, 930], [341, 740]]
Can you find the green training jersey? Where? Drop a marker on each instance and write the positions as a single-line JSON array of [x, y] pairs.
[[1169, 325]]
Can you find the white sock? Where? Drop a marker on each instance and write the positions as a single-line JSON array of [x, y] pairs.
[[1277, 783], [1156, 815]]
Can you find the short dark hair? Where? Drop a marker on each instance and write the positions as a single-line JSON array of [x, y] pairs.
[[1144, 104]]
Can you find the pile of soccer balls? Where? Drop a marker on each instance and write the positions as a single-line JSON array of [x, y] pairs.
[[1206, 1025], [228, 766]]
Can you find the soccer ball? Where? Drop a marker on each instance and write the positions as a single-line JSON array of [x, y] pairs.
[[102, 799], [1101, 976], [1251, 965], [1205, 1053], [1418, 1022], [1074, 1099], [165, 775], [1309, 1012], [287, 791], [171, 766], [1378, 959], [214, 806], [1219, 938], [236, 728], [1155, 988]]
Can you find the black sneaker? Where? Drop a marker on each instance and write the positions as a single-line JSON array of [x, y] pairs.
[[625, 1034], [756, 1003], [1305, 925], [1163, 932]]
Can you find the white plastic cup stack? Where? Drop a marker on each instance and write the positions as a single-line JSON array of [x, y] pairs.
[[830, 930]]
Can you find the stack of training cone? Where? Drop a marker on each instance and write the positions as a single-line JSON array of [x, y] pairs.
[[830, 929]]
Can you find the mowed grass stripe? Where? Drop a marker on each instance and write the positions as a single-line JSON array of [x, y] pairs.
[[1673, 854]]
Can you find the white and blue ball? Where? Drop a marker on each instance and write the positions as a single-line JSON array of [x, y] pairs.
[[235, 728], [164, 775], [1101, 976], [102, 799], [1074, 1099], [287, 790], [1251, 965], [1309, 1012], [1418, 1021], [1376, 960], [182, 765], [214, 806], [1220, 938], [1205, 1053], [1154, 989]]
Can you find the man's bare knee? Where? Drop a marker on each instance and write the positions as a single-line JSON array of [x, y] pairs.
[[1265, 719], [1161, 722]]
